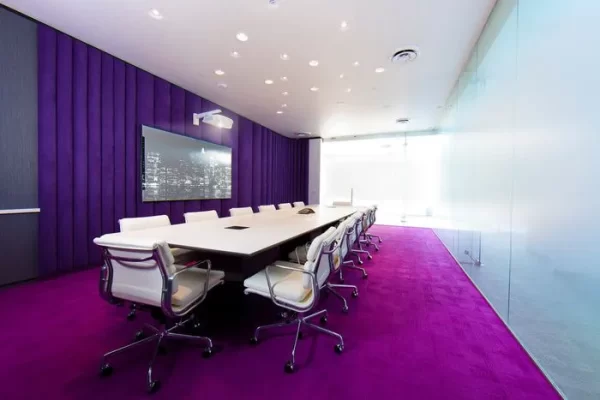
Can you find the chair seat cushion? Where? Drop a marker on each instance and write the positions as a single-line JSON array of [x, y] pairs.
[[291, 290], [190, 285], [299, 255]]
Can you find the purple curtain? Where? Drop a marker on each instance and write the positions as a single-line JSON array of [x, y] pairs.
[[91, 108]]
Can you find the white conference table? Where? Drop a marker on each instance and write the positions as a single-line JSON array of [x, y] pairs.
[[267, 237]]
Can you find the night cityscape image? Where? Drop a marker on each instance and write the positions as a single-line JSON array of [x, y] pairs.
[[176, 167]]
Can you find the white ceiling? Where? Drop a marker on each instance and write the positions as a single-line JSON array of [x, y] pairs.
[[195, 37]]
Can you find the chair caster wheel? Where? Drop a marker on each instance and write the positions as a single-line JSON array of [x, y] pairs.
[[254, 340], [196, 326], [289, 367], [376, 248], [162, 350], [153, 386], [131, 315], [345, 309], [324, 320], [106, 370], [360, 262], [365, 276], [355, 293], [207, 353], [339, 348], [380, 241], [370, 257], [342, 280], [139, 335]]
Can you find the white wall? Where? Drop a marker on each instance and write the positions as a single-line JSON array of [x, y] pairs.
[[314, 171], [520, 169]]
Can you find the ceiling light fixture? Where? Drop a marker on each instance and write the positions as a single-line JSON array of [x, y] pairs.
[[284, 78], [285, 93], [404, 55], [279, 112], [313, 63], [222, 85], [235, 54], [341, 76], [219, 72], [154, 13], [344, 25], [242, 37], [379, 70], [283, 105], [314, 89], [356, 63], [268, 82], [348, 90], [284, 56]]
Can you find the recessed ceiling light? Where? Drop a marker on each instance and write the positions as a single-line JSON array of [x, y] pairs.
[[242, 37], [235, 54], [314, 89], [379, 70], [154, 13], [285, 93], [283, 105], [341, 76], [219, 72], [284, 56], [313, 63], [222, 85], [284, 78], [268, 82], [344, 25], [348, 90], [279, 112], [356, 63]]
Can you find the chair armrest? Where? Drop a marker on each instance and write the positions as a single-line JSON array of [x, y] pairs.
[[312, 276], [194, 265]]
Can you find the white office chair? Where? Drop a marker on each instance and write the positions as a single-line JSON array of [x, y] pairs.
[[236, 212], [348, 226], [368, 221], [182, 256], [298, 204], [342, 204], [200, 216], [296, 288], [359, 228], [143, 271], [284, 206], [372, 222], [267, 208]]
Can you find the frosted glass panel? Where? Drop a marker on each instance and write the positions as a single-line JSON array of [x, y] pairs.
[[518, 180]]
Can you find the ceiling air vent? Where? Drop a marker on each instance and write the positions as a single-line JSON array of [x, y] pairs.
[[402, 121], [404, 56]]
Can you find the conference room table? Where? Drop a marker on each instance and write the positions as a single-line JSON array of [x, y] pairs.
[[243, 245]]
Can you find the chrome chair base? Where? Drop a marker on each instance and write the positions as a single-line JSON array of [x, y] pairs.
[[371, 236], [350, 264], [159, 335], [331, 289], [301, 320]]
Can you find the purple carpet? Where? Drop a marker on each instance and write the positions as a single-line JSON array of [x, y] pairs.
[[419, 330]]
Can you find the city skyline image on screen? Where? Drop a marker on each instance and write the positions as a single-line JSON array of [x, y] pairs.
[[177, 167]]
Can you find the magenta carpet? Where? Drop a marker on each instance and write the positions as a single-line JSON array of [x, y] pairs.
[[419, 330]]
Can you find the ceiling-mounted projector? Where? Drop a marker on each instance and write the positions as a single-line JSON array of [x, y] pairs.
[[213, 118]]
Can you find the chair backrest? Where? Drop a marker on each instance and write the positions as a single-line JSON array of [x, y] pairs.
[[137, 268], [200, 216], [138, 224], [298, 204], [316, 261], [283, 206], [234, 212], [342, 203], [354, 221], [343, 237], [267, 208]]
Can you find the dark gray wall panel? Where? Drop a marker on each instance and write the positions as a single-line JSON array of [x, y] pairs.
[[18, 243], [18, 112]]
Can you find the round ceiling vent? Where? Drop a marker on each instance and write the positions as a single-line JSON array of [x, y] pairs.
[[402, 121], [404, 56]]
